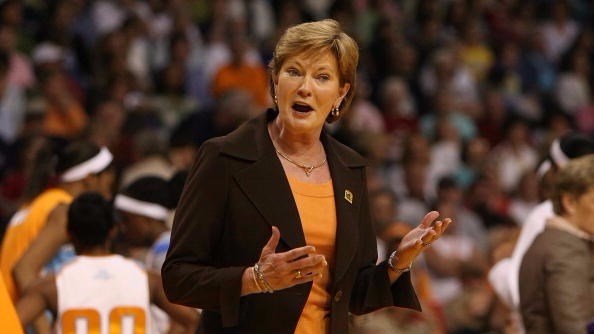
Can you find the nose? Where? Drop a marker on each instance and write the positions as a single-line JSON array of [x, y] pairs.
[[305, 88]]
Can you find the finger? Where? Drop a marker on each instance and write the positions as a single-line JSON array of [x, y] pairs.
[[428, 237], [429, 218], [309, 262], [446, 224], [438, 228], [318, 268], [297, 253], [307, 278], [270, 246]]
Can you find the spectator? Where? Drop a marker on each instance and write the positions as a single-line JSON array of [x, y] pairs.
[[514, 155], [556, 286], [239, 74], [65, 117], [12, 103], [504, 274], [559, 31]]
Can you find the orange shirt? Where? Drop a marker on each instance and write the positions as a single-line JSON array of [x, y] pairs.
[[8, 317], [65, 123], [315, 203], [249, 78], [23, 229]]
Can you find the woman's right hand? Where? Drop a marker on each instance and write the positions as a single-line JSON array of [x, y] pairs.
[[287, 269]]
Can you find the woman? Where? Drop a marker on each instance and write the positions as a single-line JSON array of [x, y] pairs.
[[282, 172], [557, 272]]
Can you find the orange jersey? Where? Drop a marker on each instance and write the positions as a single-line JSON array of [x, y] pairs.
[[8, 317], [23, 229]]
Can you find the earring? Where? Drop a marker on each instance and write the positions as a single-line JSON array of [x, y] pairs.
[[335, 112], [275, 100]]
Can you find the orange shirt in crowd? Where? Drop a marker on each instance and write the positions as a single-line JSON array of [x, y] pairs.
[[23, 229], [65, 123], [246, 77], [315, 203], [8, 317]]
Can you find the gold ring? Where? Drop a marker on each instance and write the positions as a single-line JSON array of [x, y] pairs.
[[298, 274]]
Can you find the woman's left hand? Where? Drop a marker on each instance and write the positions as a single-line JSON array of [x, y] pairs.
[[422, 236]]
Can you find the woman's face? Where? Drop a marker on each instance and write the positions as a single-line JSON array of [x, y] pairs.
[[307, 88], [583, 211]]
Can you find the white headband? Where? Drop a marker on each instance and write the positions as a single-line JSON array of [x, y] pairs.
[[544, 167], [559, 158], [94, 165], [147, 209]]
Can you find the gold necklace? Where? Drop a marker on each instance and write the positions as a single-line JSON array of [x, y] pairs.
[[307, 169]]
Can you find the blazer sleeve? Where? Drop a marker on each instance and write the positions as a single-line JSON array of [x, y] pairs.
[[191, 273], [568, 285], [372, 289]]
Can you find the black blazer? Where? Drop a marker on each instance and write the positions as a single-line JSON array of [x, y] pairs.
[[235, 192]]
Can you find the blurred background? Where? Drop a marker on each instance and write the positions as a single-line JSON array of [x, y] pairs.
[[457, 104]]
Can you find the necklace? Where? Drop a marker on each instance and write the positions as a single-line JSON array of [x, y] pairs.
[[307, 169]]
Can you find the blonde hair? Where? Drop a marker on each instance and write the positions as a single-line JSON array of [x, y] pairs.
[[319, 36], [575, 179]]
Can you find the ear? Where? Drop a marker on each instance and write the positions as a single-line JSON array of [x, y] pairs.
[[342, 92], [568, 203]]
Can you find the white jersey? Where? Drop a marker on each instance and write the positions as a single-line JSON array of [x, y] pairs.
[[103, 294]]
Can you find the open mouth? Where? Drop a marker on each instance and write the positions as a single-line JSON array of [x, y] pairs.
[[302, 107]]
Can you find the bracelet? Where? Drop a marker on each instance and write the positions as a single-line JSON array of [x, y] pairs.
[[256, 281], [393, 268], [262, 279]]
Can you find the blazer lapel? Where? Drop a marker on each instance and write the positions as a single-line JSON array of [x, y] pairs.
[[266, 186], [348, 193]]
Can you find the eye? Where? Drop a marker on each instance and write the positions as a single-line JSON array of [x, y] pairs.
[[292, 72], [323, 77]]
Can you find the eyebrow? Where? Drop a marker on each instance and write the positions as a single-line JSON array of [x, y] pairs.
[[323, 66]]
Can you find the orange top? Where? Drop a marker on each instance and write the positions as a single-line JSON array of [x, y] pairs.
[[8, 317], [67, 123], [315, 203], [249, 78], [24, 228]]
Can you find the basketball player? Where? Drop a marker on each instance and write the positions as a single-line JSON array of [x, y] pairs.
[[98, 291]]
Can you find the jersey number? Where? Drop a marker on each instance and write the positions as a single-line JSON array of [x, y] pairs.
[[93, 320]]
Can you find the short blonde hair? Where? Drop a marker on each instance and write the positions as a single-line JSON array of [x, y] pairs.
[[315, 37], [575, 179]]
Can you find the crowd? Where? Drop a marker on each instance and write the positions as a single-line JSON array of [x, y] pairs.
[[457, 105]]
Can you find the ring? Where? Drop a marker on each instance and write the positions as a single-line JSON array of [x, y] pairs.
[[298, 274]]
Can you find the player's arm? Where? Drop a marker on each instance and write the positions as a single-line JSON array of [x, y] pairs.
[[41, 295], [185, 316], [51, 237]]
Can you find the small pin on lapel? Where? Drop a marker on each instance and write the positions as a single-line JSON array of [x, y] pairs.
[[348, 195]]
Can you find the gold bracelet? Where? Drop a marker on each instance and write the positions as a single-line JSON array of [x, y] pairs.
[[256, 281], [262, 279]]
